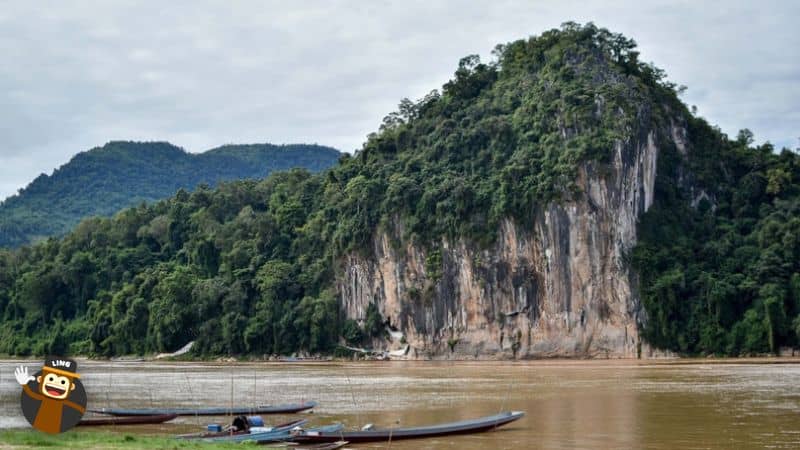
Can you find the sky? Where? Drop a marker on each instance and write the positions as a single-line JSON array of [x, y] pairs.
[[199, 74]]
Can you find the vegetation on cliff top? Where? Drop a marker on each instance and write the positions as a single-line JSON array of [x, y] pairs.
[[106, 179], [249, 267]]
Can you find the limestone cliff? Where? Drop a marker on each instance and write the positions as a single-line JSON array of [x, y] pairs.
[[559, 288]]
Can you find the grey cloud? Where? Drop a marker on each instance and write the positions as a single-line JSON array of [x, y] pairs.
[[204, 73]]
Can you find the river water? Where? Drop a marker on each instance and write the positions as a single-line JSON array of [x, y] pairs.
[[568, 404]]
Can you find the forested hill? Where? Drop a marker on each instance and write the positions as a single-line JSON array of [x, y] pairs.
[[251, 267], [101, 181]]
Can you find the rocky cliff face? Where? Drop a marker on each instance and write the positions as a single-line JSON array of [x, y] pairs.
[[559, 288]]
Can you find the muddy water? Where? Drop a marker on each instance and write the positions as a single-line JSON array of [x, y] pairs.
[[582, 404]]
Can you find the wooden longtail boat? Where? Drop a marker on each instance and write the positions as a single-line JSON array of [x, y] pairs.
[[131, 420], [462, 427], [277, 409], [284, 427]]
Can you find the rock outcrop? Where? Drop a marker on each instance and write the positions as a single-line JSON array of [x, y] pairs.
[[560, 287]]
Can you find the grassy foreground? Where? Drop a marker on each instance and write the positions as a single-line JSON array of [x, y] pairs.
[[28, 439]]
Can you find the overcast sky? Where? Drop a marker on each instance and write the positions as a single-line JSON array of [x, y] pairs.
[[199, 74]]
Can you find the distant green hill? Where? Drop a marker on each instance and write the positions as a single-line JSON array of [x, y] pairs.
[[106, 179]]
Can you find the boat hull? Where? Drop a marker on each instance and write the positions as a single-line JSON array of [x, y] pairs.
[[278, 409], [483, 424], [133, 420]]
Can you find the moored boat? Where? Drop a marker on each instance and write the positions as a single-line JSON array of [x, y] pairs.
[[446, 429], [223, 411], [131, 420]]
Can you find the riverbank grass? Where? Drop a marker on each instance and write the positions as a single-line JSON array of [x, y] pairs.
[[32, 439]]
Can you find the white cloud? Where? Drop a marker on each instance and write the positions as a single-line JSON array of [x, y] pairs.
[[200, 74]]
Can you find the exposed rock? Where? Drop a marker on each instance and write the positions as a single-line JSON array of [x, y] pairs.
[[181, 351], [559, 288]]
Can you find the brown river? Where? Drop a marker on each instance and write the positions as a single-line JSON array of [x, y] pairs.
[[691, 404]]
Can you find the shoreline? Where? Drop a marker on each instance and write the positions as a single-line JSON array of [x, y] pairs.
[[667, 361]]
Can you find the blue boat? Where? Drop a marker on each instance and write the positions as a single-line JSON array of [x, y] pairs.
[[273, 435], [285, 427]]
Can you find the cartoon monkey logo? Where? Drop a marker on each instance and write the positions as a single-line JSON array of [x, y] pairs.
[[54, 400]]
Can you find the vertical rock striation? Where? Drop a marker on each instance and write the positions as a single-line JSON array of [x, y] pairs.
[[560, 287]]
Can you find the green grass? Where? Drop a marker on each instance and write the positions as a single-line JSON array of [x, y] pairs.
[[27, 438]]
